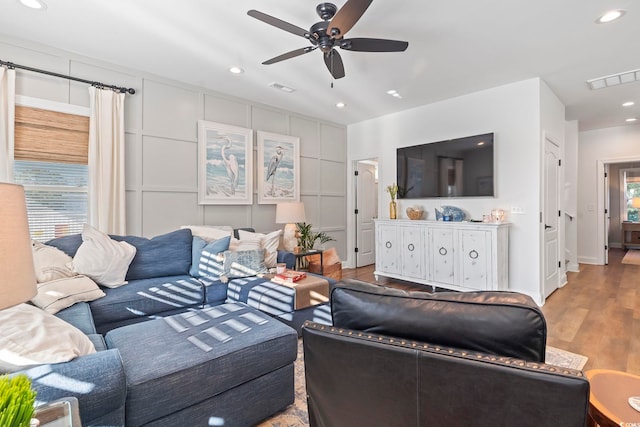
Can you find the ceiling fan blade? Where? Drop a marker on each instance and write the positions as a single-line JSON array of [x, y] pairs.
[[290, 55], [373, 45], [278, 23], [346, 17], [333, 61]]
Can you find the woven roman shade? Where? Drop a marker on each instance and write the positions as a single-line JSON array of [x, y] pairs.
[[50, 136]]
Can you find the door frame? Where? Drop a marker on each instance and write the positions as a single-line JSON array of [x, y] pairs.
[[562, 272], [354, 216], [602, 238]]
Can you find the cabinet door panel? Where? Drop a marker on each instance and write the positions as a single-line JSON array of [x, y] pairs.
[[442, 256], [475, 259], [411, 253], [387, 249]]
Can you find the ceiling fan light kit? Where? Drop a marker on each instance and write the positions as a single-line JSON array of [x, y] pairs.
[[329, 33]]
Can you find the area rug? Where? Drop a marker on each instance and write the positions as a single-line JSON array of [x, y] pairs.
[[631, 257], [296, 414]]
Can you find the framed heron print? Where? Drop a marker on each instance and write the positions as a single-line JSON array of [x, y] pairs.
[[278, 168], [225, 164]]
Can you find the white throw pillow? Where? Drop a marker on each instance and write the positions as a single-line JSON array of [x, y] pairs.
[[31, 336], [50, 263], [268, 242], [103, 259], [209, 233], [56, 295]]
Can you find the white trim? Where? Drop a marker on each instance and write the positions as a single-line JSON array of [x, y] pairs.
[[45, 104]]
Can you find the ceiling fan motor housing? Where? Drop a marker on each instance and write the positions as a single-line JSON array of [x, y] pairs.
[[319, 36]]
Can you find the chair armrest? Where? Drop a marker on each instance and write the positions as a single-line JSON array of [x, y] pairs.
[[97, 380], [288, 258]]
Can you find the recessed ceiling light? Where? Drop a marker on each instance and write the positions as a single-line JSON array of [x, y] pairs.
[[628, 104], [236, 70], [282, 87], [632, 119], [394, 93], [341, 105], [611, 16], [33, 4]]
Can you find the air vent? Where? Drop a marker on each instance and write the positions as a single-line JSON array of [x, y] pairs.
[[282, 87], [614, 79]]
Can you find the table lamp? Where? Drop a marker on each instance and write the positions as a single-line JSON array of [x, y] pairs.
[[290, 214], [17, 273], [635, 202]]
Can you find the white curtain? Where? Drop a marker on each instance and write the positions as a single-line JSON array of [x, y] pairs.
[[7, 122], [106, 161]]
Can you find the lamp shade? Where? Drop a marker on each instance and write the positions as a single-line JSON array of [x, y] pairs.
[[290, 213], [635, 202], [17, 273]]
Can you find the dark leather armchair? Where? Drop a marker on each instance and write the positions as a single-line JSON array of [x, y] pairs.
[[396, 358]]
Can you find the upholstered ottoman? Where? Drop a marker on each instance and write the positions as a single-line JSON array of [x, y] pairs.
[[287, 303], [226, 365]]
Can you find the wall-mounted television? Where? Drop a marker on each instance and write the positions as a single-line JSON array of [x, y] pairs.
[[461, 167]]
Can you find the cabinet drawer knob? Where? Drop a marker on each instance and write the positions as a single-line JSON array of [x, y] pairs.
[[442, 251], [388, 245], [411, 247], [473, 254]]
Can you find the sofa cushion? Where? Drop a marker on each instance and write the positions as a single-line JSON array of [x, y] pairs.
[[32, 336], [192, 354], [268, 242], [50, 263], [165, 255], [244, 263], [204, 261], [56, 295], [67, 244], [499, 323], [79, 315], [145, 297], [103, 259]]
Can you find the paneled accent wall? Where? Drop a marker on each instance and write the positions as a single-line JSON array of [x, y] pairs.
[[161, 140]]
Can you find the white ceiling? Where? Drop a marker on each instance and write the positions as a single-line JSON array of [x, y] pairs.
[[455, 47]]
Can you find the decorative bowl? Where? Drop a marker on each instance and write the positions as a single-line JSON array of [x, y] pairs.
[[415, 213]]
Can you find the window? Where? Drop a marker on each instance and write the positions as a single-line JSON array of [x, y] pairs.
[[56, 195], [50, 161], [630, 180]]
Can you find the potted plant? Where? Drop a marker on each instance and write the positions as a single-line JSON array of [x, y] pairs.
[[393, 208], [16, 401], [307, 238]]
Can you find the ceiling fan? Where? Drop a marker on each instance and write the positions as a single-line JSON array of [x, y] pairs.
[[329, 33]]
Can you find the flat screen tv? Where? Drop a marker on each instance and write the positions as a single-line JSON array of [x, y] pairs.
[[461, 167]]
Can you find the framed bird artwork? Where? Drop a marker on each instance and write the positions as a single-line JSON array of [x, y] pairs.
[[225, 164], [278, 169]]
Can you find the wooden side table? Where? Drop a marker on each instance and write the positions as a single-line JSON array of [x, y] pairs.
[[630, 234], [609, 398], [300, 255]]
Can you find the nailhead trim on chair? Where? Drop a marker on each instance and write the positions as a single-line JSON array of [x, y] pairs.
[[497, 360]]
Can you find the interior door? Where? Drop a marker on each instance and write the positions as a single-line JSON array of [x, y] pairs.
[[366, 208], [551, 217], [607, 213]]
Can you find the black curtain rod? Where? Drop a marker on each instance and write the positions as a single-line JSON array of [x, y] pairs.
[[11, 65]]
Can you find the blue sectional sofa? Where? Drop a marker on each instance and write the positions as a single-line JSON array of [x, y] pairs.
[[173, 349]]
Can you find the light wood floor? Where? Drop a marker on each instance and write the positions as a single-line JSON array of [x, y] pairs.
[[597, 313]]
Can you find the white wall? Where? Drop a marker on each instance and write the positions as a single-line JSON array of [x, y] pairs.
[[161, 144], [610, 145], [571, 195], [513, 113]]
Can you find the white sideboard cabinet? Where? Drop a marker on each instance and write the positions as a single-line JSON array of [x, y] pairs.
[[462, 256]]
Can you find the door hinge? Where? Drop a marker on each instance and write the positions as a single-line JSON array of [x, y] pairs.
[[606, 211], [540, 217], [356, 212], [559, 264], [606, 174], [355, 173], [356, 250], [559, 162], [559, 213], [606, 248]]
